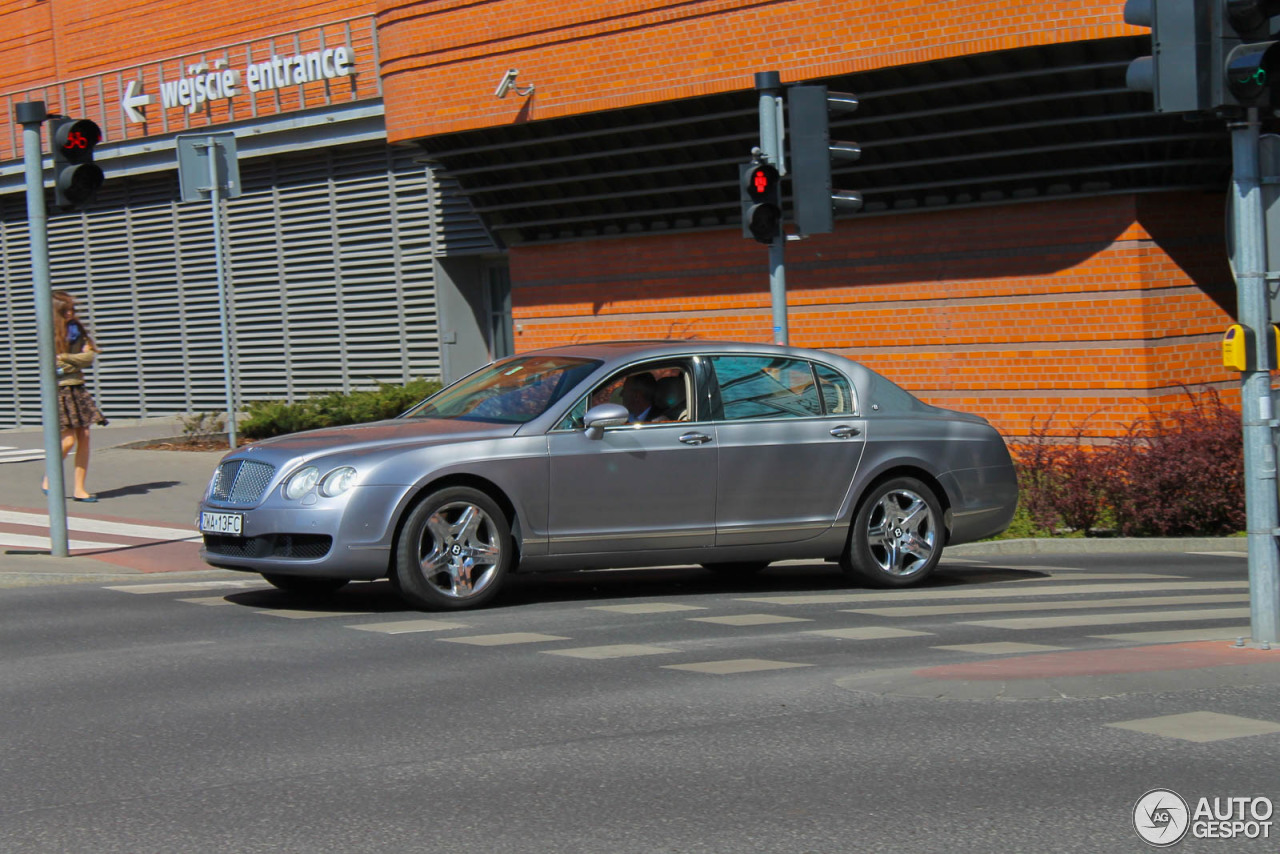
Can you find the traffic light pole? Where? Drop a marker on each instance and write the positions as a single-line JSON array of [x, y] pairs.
[[769, 85], [31, 115], [1256, 402]]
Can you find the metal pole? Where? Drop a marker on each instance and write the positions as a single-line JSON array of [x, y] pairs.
[[769, 85], [1259, 452], [31, 115], [215, 196]]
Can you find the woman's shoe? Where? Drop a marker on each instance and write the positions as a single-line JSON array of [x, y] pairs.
[[92, 499]]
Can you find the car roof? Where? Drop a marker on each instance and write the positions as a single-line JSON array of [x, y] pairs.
[[658, 347]]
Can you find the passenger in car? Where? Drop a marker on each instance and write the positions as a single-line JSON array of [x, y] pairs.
[[669, 399], [637, 397]]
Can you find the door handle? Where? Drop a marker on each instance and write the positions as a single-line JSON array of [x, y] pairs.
[[844, 431], [695, 438]]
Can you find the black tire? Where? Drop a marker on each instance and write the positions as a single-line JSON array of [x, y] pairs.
[[304, 584], [897, 535], [739, 567], [455, 551]]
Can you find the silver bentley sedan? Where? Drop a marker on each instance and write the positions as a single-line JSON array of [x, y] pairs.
[[623, 454]]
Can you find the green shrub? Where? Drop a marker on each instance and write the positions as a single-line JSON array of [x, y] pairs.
[[267, 418]]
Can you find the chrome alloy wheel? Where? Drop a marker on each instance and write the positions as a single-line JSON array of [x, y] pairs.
[[902, 533], [460, 550]]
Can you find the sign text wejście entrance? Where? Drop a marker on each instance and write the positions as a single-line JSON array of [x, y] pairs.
[[204, 85]]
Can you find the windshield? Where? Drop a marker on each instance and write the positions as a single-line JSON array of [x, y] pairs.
[[509, 392]]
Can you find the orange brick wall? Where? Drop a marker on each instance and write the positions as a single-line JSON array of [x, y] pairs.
[[1098, 309], [76, 57], [442, 59], [98, 35]]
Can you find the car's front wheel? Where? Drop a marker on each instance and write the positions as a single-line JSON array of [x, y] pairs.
[[897, 535], [454, 551]]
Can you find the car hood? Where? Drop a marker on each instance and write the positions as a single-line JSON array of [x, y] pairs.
[[367, 438]]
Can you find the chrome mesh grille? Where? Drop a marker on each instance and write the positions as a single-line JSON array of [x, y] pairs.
[[241, 481]]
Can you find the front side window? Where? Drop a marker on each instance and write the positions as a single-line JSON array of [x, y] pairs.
[[508, 392], [657, 393], [765, 387]]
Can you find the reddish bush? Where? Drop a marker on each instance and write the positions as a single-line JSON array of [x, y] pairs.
[[1183, 475]]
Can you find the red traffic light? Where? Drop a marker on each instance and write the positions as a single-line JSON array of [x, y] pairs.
[[761, 181], [76, 139], [75, 176]]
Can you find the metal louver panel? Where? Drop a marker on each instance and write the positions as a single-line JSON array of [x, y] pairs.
[[456, 228], [330, 267]]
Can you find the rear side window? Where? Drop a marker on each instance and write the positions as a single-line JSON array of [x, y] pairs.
[[837, 393], [754, 387]]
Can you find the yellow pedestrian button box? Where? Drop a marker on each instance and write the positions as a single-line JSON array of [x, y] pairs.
[[1235, 348]]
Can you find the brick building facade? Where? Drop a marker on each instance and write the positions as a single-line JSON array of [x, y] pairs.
[[1036, 244]]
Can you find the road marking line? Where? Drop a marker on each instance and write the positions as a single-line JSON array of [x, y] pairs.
[[101, 526], [1200, 727], [504, 639], [749, 620], [737, 665], [1181, 635], [620, 650], [1001, 648], [19, 455], [31, 541], [646, 608], [867, 633], [292, 614], [1221, 554], [400, 627], [1002, 607], [1021, 623], [1001, 591], [208, 600]]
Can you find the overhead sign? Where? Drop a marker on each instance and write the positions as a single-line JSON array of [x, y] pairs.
[[204, 85]]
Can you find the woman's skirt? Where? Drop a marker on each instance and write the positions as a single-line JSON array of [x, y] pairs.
[[76, 408]]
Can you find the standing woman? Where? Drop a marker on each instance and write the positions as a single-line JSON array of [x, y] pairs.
[[75, 350]]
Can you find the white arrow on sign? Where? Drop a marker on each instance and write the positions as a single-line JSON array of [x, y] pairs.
[[132, 100]]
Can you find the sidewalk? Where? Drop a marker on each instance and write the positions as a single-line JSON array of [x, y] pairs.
[[143, 521]]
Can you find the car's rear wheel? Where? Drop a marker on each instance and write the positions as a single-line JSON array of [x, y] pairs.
[[304, 584], [738, 567], [454, 551], [897, 535]]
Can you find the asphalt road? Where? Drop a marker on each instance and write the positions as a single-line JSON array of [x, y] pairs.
[[660, 711]]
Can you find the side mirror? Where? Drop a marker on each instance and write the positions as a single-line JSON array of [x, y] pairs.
[[602, 416]]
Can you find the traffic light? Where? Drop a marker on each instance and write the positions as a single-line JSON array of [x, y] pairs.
[[75, 176], [812, 151], [1247, 50], [761, 201], [1182, 45]]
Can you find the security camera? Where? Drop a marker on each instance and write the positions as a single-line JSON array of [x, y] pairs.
[[508, 81]]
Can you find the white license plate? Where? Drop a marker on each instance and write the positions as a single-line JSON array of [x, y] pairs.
[[221, 523]]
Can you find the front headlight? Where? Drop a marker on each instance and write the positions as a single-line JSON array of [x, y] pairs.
[[301, 482], [337, 481]]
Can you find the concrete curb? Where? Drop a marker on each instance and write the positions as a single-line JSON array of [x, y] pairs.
[[1099, 545]]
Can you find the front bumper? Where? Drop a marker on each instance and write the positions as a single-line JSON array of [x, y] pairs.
[[345, 537]]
